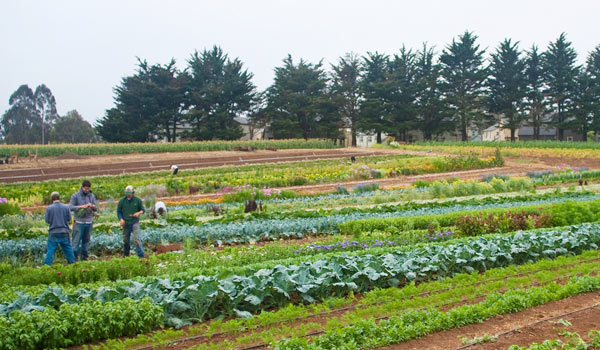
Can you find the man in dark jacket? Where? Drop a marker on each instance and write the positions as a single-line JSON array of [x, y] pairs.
[[58, 216], [84, 204], [129, 210]]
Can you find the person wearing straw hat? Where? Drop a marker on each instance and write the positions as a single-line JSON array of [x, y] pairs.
[[129, 210], [58, 217]]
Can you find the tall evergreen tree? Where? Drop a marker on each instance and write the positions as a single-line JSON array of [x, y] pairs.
[[507, 85], [375, 87], [593, 72], [345, 88], [298, 102], [430, 112], [148, 105], [403, 90], [464, 76], [219, 89], [535, 101], [116, 127], [560, 74]]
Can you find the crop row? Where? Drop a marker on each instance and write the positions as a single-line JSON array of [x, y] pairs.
[[388, 301], [515, 145], [126, 148], [31, 226], [533, 152], [574, 342], [417, 323], [199, 297], [410, 296], [258, 230], [206, 180]]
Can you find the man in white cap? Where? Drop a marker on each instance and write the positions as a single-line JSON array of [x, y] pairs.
[[129, 210]]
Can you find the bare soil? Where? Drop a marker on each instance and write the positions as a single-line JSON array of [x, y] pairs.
[[64, 167]]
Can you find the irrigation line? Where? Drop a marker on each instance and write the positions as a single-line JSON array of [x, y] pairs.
[[532, 324], [299, 318]]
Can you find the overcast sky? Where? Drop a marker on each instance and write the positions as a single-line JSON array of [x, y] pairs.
[[82, 49]]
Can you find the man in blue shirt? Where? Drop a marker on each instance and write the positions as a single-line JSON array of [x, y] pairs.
[[58, 217]]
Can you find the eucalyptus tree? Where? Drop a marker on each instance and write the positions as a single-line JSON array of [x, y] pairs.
[[560, 73], [298, 102], [46, 107], [464, 76], [218, 90], [375, 88], [431, 115], [535, 100], [507, 86], [345, 90], [21, 122], [30, 116]]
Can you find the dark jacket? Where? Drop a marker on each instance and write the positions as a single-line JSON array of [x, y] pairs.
[[86, 215], [126, 207], [58, 216]]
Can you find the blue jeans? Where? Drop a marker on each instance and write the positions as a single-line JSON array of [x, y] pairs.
[[127, 231], [81, 240], [56, 239]]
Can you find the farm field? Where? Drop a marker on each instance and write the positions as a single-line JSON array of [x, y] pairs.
[[446, 249]]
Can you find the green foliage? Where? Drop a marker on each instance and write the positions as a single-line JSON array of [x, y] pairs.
[[72, 128], [571, 212], [464, 74], [218, 89], [504, 222], [9, 208], [128, 148], [411, 324], [366, 187], [298, 102], [485, 221], [421, 184], [76, 324]]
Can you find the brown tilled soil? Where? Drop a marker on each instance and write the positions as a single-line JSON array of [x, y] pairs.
[[72, 166]]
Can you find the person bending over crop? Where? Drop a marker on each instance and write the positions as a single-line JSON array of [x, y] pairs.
[[58, 217], [129, 210], [84, 204]]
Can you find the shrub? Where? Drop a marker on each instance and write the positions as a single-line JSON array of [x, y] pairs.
[[473, 225], [7, 208], [367, 187], [342, 190], [421, 184]]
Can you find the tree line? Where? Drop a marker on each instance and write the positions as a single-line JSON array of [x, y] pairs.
[[454, 91], [32, 118]]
